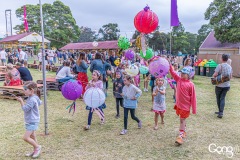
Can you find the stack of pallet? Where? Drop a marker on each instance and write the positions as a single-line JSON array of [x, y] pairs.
[[11, 92], [2, 76], [35, 66], [3, 68], [51, 83]]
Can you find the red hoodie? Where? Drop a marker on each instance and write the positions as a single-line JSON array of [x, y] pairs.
[[185, 94]]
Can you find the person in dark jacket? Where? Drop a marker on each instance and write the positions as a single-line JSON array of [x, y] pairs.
[[24, 72], [118, 85]]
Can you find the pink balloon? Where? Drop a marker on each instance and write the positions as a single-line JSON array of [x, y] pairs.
[[159, 67]]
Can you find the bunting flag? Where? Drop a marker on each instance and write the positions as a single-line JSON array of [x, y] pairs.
[[25, 18], [174, 13]]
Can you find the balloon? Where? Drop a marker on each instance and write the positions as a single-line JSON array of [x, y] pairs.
[[123, 43], [192, 73], [159, 67], [143, 69], [95, 44], [149, 54], [129, 54], [132, 70], [72, 90], [146, 21], [117, 61], [94, 97]]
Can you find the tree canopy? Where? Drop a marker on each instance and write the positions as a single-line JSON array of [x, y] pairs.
[[224, 16], [109, 32], [87, 35], [59, 25]]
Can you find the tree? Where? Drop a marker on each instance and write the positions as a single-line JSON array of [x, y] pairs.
[[159, 41], [109, 32], [179, 39], [59, 25], [224, 16], [202, 34], [87, 35], [192, 40]]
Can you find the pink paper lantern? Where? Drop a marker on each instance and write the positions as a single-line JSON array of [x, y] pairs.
[[159, 67]]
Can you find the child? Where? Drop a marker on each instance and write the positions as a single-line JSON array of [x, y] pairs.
[[117, 91], [185, 99], [31, 116], [159, 106], [130, 94], [95, 82]]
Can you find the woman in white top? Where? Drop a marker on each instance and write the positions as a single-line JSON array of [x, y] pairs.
[[65, 73]]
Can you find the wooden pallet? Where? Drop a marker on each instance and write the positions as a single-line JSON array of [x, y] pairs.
[[51, 83], [35, 66], [10, 92], [3, 69], [2, 76]]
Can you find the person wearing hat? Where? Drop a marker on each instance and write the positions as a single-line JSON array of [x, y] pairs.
[[3, 56], [24, 72], [185, 99], [12, 78]]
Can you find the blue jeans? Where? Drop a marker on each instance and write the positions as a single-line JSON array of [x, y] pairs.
[[64, 79], [90, 114], [221, 93]]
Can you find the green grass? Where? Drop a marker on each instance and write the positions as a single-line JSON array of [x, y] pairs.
[[68, 140]]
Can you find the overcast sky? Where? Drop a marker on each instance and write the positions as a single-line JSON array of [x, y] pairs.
[[96, 13]]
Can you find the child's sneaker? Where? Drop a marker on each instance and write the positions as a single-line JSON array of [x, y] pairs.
[[123, 132], [87, 127], [179, 140], [117, 116], [140, 124], [29, 154], [37, 152]]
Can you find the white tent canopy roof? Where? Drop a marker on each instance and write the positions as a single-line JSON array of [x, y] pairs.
[[33, 37]]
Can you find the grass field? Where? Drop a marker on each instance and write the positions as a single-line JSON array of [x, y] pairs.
[[68, 140]]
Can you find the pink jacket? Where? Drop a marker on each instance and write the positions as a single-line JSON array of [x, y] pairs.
[[185, 94], [98, 84]]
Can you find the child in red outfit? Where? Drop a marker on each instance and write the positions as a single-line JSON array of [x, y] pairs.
[[185, 99]]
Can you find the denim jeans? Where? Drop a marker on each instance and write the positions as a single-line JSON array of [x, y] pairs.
[[65, 79], [132, 111], [221, 93]]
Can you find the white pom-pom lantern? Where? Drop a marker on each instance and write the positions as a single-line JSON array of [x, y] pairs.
[[132, 70], [95, 43], [94, 97]]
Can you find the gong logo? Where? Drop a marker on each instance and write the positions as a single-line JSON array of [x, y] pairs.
[[227, 151]]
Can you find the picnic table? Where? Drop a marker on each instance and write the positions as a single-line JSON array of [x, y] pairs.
[[51, 83], [2, 76]]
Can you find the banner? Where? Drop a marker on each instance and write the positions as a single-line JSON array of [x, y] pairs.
[[174, 13], [25, 18]]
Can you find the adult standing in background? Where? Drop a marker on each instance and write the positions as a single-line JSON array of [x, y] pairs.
[[112, 58], [222, 89], [22, 55], [82, 67], [229, 61], [3, 56], [40, 60]]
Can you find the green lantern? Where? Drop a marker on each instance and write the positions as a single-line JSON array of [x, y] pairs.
[[123, 43], [149, 54]]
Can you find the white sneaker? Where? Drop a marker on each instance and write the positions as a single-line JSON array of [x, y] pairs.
[[144, 89], [123, 132], [29, 154], [37, 152]]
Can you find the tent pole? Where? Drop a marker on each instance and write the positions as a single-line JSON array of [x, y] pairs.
[[44, 73]]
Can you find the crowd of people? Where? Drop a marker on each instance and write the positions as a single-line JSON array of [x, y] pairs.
[[107, 67]]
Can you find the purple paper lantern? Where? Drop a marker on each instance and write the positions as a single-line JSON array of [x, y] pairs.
[[159, 67], [72, 90], [129, 54]]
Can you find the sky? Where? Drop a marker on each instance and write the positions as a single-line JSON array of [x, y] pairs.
[[95, 13]]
